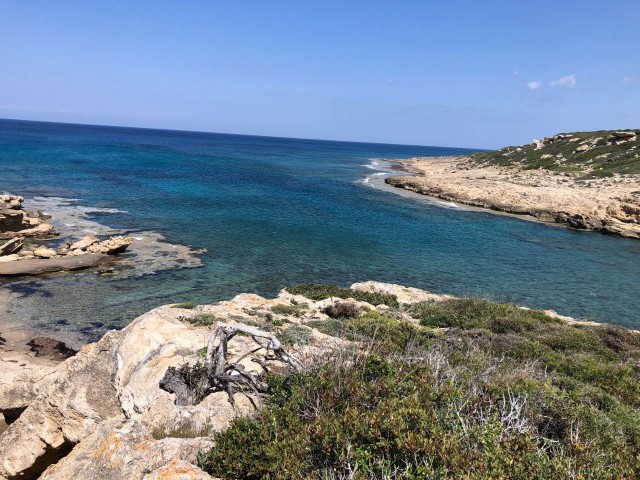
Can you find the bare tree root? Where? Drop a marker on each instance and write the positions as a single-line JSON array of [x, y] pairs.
[[191, 384]]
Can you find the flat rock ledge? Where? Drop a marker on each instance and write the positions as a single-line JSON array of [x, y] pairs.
[[101, 413], [85, 253]]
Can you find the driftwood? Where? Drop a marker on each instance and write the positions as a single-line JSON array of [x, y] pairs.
[[191, 384]]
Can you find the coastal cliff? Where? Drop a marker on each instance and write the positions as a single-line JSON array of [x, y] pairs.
[[463, 385], [587, 180]]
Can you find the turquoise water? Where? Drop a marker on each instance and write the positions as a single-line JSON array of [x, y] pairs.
[[272, 212]]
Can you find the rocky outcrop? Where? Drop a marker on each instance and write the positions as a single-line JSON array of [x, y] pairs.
[[88, 252], [15, 221], [102, 414], [603, 205]]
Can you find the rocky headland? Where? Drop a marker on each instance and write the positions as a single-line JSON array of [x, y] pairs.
[[112, 410], [587, 180]]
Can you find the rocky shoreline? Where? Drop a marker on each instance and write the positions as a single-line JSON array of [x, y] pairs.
[[102, 413], [18, 258], [606, 205]]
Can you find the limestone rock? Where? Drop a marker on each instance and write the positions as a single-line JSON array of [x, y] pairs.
[[83, 243], [617, 138], [117, 244], [16, 222], [101, 414], [44, 252]]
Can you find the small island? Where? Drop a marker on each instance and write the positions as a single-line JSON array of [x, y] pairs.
[[586, 180]]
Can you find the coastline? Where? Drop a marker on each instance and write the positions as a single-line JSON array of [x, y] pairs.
[[605, 205]]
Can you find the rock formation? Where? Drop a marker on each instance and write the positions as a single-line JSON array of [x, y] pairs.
[[15, 221], [88, 252], [102, 413]]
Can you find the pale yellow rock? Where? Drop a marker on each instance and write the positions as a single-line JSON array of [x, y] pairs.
[[84, 243], [44, 252]]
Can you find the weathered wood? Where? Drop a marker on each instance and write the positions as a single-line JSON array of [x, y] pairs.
[[192, 384]]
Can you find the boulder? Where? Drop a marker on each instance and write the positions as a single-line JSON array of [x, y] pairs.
[[44, 252], [15, 221], [622, 137], [84, 243], [101, 414], [113, 245]]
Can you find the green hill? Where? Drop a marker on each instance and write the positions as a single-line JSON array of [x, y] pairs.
[[603, 153]]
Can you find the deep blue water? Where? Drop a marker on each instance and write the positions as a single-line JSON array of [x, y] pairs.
[[273, 212]]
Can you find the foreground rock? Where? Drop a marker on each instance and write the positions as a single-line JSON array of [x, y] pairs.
[[102, 414], [15, 221]]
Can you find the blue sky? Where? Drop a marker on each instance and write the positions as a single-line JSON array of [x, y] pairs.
[[456, 73]]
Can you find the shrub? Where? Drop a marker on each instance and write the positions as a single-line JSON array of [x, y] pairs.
[[187, 305], [321, 291], [295, 335], [295, 310], [376, 417], [202, 320], [502, 393], [389, 334], [332, 327], [342, 310]]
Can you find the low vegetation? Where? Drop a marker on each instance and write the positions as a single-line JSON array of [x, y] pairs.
[[202, 320], [294, 310], [465, 389], [321, 291], [186, 305], [600, 155]]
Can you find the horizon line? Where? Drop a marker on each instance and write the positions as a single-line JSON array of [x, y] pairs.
[[236, 134]]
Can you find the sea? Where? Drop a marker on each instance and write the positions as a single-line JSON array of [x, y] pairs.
[[215, 215]]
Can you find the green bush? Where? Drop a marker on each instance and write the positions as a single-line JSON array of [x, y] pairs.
[[295, 335], [332, 327], [502, 392], [187, 305], [389, 334], [376, 417], [294, 310], [202, 320], [322, 291]]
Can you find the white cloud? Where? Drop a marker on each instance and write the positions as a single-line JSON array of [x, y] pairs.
[[630, 80], [534, 85], [391, 81], [566, 81]]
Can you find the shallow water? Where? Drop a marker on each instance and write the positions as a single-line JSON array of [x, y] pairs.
[[272, 212]]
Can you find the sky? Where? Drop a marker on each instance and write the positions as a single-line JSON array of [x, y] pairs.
[[455, 73]]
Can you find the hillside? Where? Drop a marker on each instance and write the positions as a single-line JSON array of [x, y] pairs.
[[603, 153], [585, 180]]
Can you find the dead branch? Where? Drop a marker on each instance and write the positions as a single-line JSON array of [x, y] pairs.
[[192, 384]]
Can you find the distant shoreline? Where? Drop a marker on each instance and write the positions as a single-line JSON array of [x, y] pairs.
[[602, 205]]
